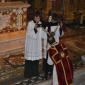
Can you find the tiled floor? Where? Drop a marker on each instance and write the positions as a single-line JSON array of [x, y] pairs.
[[45, 83], [75, 40], [79, 78]]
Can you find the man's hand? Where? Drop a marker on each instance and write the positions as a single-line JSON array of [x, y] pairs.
[[52, 33], [35, 30]]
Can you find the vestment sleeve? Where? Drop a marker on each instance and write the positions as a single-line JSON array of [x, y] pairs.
[[30, 30]]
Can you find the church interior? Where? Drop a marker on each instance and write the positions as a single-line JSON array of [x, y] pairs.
[[14, 16]]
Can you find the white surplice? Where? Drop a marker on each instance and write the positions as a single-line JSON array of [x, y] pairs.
[[55, 76], [33, 42]]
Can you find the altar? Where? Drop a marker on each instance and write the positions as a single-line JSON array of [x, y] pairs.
[[13, 22]]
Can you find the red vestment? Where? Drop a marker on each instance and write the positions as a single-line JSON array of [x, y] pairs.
[[59, 56]]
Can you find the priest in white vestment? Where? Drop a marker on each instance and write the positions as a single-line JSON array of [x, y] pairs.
[[33, 47]]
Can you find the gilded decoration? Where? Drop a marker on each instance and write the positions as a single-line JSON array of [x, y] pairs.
[[13, 16], [12, 20]]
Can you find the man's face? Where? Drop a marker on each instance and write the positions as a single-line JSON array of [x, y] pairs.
[[37, 18], [50, 18]]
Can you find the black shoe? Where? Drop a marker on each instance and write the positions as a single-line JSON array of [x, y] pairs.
[[26, 82], [29, 82], [34, 79], [45, 77], [19, 83], [40, 78]]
